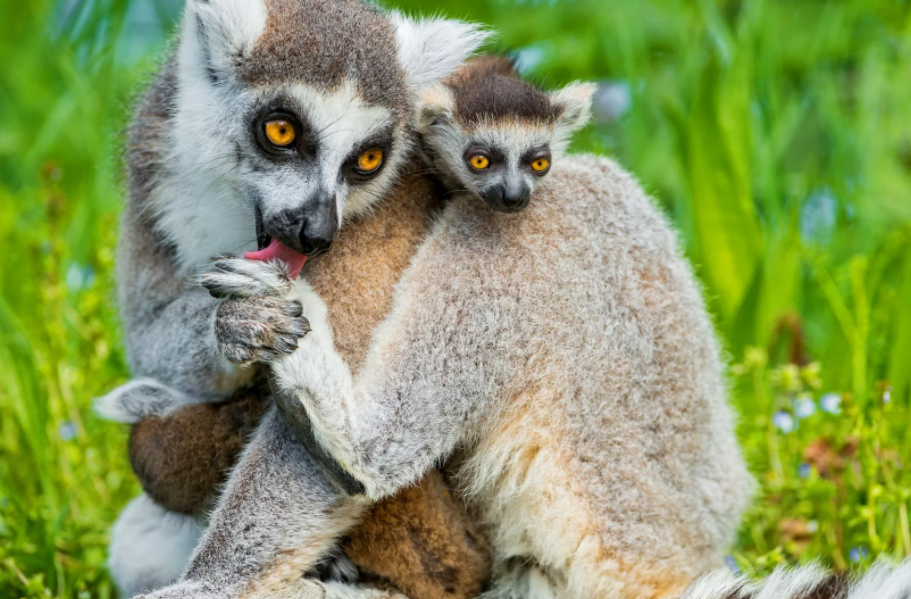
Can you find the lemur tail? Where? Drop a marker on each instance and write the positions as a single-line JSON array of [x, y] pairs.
[[883, 581]]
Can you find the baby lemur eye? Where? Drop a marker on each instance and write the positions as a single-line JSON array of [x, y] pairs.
[[279, 132], [369, 161], [540, 165], [479, 162]]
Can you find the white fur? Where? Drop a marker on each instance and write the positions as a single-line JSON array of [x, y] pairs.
[[139, 399], [230, 27], [150, 546], [431, 49], [202, 204], [885, 580], [576, 101]]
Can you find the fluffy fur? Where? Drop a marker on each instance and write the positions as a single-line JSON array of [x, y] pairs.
[[486, 108], [563, 362], [883, 581], [199, 185]]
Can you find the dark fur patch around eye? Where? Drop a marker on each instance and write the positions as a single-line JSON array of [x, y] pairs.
[[489, 87]]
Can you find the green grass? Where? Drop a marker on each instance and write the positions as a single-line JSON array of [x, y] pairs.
[[777, 135]]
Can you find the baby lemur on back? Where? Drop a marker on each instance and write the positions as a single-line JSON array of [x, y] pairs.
[[181, 457]]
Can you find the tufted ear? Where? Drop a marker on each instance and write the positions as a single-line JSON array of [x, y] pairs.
[[435, 105], [219, 31], [575, 101], [431, 49]]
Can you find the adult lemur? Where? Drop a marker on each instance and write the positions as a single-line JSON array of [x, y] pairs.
[[273, 120], [559, 358]]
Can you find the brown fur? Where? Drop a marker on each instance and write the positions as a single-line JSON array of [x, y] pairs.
[[422, 540], [325, 42], [489, 87]]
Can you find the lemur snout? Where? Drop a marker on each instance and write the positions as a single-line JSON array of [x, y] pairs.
[[309, 230], [507, 198]]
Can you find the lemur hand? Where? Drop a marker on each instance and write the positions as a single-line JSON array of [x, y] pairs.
[[257, 320]]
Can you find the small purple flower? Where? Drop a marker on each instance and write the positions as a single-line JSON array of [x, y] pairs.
[[67, 431], [858, 553], [812, 526], [887, 395], [783, 422], [831, 403], [732, 564], [804, 470], [804, 407]]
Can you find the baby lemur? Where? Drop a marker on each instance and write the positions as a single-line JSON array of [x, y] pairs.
[[181, 457], [560, 360]]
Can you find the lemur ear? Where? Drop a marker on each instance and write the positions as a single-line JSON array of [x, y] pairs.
[[435, 105], [223, 30], [431, 49], [575, 100]]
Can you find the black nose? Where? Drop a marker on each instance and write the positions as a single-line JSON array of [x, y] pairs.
[[507, 199], [318, 231], [310, 229]]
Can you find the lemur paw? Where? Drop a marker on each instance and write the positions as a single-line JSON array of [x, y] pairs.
[[258, 329], [233, 277]]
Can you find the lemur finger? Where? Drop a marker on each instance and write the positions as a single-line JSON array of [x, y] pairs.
[[237, 278]]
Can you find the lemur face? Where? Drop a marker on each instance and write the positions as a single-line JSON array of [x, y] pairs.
[[300, 110], [493, 135], [501, 162]]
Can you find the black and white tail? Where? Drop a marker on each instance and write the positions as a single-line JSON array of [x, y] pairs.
[[882, 581]]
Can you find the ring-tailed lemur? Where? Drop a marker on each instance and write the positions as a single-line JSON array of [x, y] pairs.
[[562, 358], [489, 133], [377, 537], [273, 121]]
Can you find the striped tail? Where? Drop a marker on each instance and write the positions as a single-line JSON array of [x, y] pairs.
[[883, 581]]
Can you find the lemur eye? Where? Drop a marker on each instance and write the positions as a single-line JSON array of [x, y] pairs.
[[540, 165], [280, 132], [479, 162], [370, 160]]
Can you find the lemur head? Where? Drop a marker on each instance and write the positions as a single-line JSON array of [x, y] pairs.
[[495, 135], [299, 113]]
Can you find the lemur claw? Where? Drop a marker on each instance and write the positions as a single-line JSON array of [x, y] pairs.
[[259, 329]]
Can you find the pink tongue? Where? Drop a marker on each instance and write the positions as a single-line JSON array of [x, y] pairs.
[[279, 251]]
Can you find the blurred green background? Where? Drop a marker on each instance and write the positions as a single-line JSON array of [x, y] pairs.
[[775, 133]]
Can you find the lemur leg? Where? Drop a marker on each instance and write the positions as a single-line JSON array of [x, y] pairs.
[[150, 546], [277, 518]]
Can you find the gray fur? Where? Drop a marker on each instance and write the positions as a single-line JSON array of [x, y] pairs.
[[486, 109]]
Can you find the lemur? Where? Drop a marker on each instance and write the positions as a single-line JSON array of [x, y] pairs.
[[273, 122], [182, 457], [488, 133], [575, 381], [559, 359]]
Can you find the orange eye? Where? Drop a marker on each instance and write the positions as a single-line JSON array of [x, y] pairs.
[[479, 162], [280, 133], [540, 165], [370, 160]]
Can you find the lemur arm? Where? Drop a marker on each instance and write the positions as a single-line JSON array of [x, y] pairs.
[[426, 384]]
